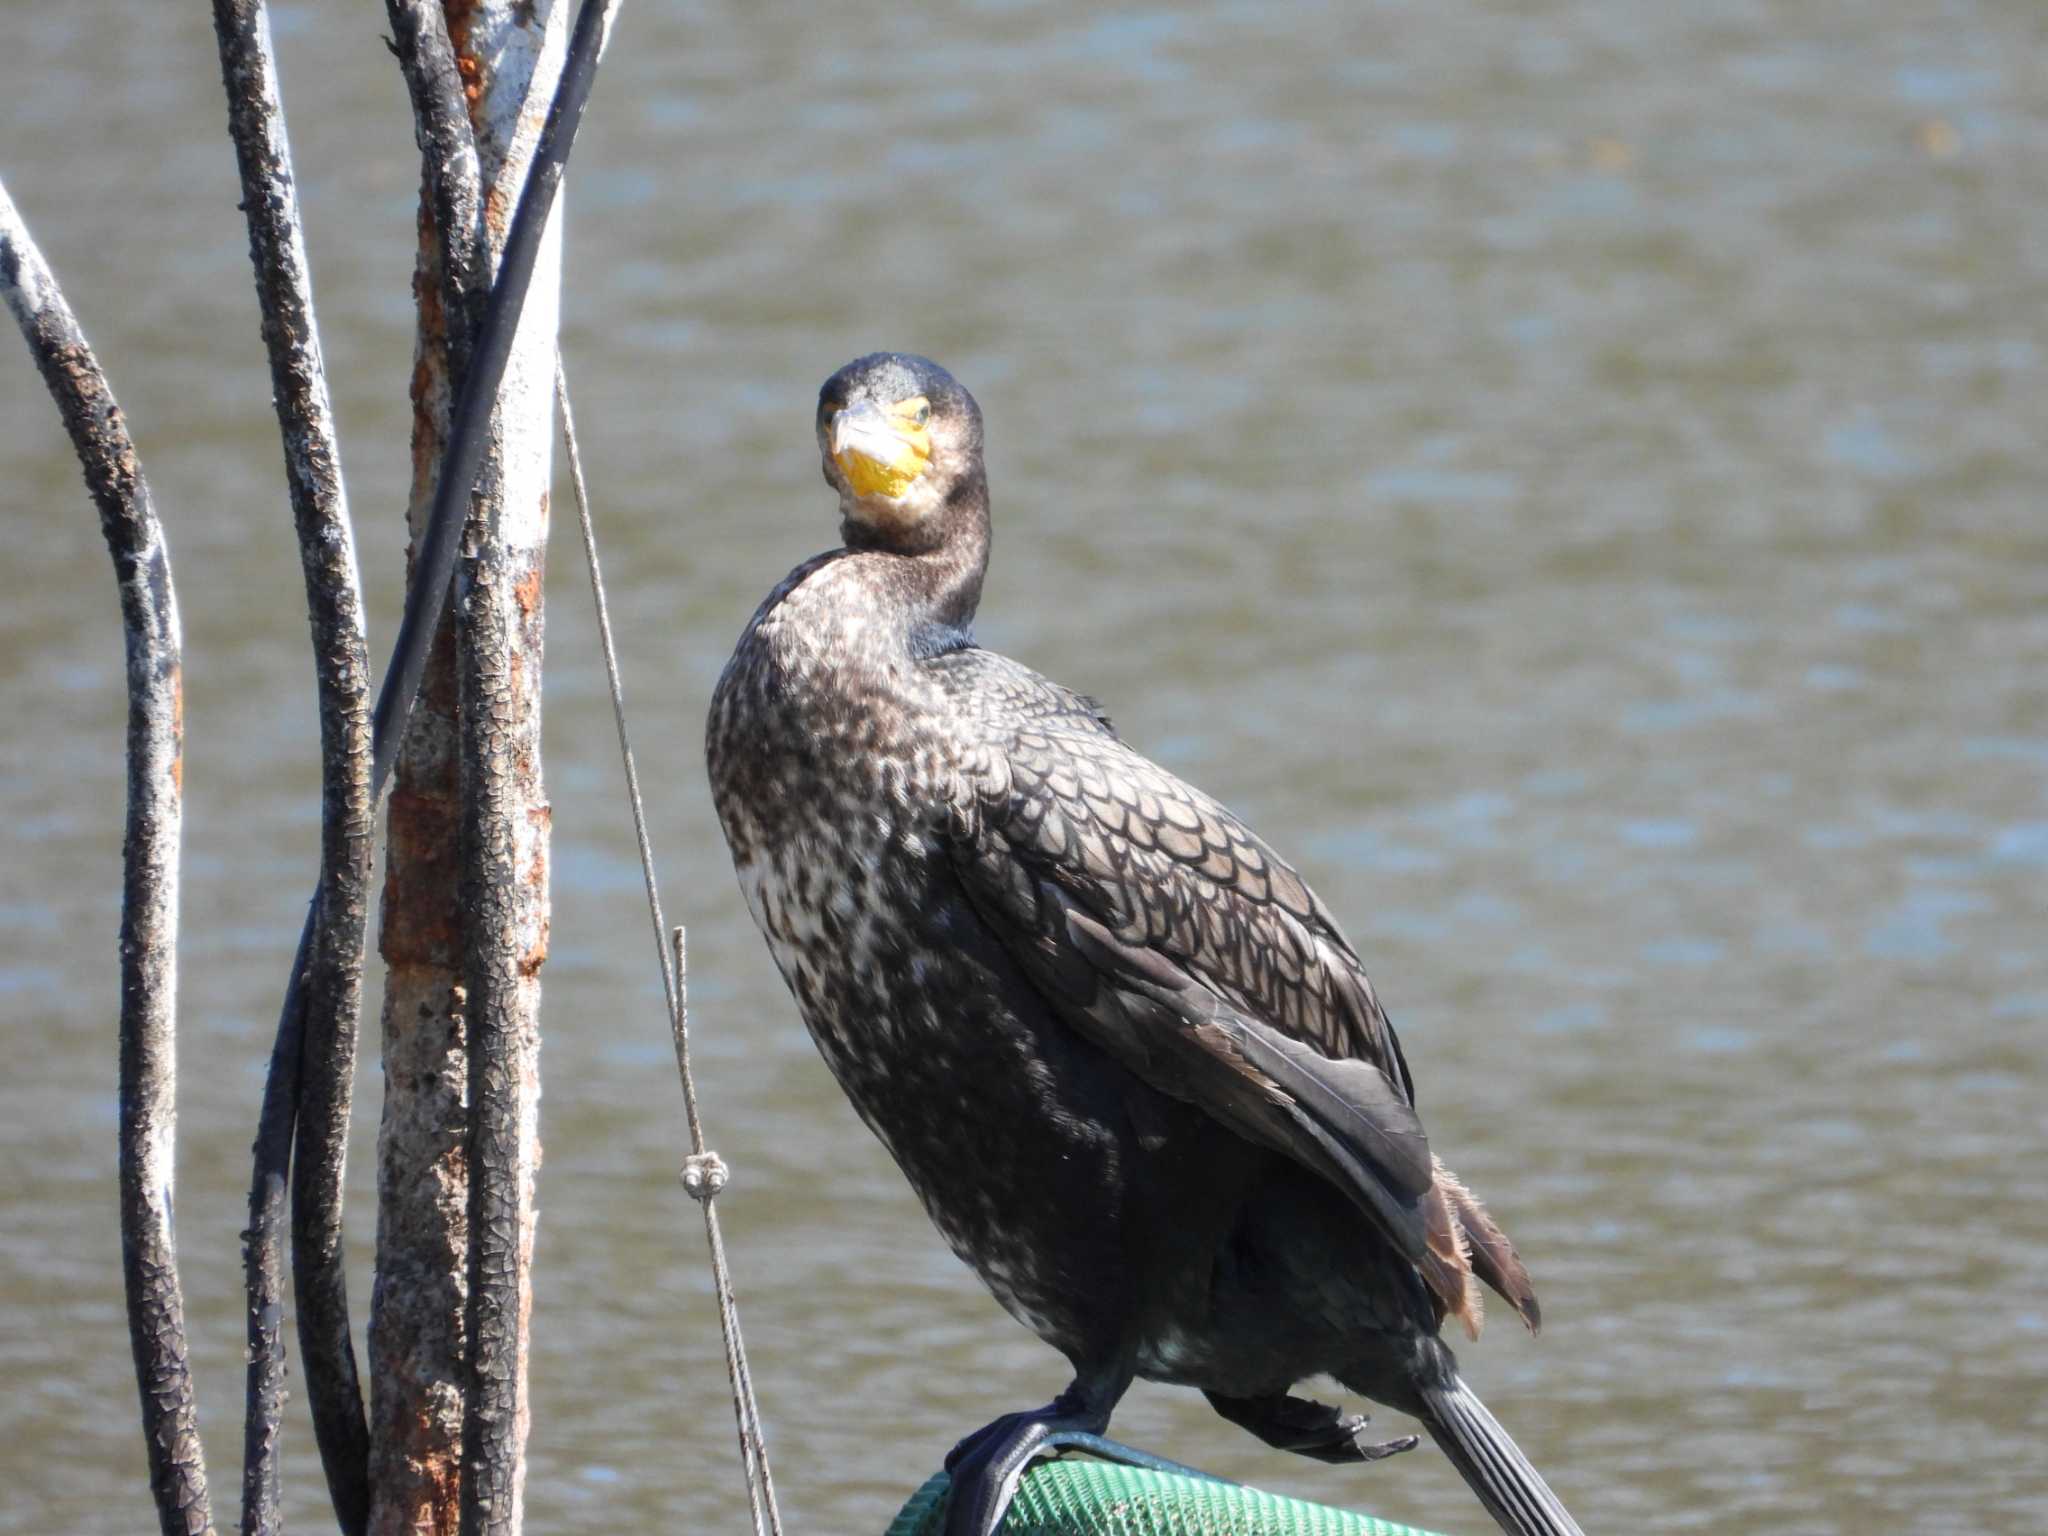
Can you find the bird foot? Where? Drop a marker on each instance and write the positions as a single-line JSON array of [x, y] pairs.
[[1308, 1428], [1365, 1450], [988, 1465], [1104, 1449]]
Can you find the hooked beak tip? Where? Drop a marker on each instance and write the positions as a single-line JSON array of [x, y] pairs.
[[856, 426]]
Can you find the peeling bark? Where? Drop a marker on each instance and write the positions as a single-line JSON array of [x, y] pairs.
[[312, 1067], [507, 57], [149, 895]]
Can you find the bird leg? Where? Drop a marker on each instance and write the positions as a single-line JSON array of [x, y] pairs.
[[987, 1465], [1307, 1428]]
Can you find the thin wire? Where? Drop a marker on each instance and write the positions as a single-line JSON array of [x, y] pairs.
[[704, 1172], [611, 671], [704, 1175]]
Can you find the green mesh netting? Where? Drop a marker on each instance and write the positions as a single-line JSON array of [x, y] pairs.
[[1099, 1498]]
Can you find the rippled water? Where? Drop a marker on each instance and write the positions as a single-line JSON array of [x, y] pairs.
[[1571, 475]]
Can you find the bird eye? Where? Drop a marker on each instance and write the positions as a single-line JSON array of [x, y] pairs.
[[924, 414]]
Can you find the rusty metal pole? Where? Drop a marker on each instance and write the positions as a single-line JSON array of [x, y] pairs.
[[508, 54]]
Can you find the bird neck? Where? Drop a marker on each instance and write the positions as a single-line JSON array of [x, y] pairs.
[[940, 585], [953, 572]]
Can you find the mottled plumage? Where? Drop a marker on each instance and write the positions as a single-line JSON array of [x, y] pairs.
[[1121, 1050]]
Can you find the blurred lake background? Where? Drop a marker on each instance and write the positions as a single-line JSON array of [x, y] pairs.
[[1571, 474]]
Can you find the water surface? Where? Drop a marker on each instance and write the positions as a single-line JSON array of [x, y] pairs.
[[1570, 474]]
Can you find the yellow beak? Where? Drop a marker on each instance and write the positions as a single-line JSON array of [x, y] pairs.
[[878, 456]]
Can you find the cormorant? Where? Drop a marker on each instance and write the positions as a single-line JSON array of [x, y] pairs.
[[1123, 1053]]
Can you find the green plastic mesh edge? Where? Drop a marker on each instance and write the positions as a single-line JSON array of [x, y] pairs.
[[1097, 1498]]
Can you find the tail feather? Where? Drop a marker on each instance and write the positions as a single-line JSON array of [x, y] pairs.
[[1493, 1257], [1446, 1261], [1512, 1490]]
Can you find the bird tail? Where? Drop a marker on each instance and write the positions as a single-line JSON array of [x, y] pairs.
[[1512, 1490]]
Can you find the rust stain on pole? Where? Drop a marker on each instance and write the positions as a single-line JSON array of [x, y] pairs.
[[527, 592], [421, 927]]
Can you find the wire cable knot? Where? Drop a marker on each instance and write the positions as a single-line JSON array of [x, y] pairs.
[[704, 1175]]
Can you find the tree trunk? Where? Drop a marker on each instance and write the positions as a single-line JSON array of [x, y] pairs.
[[509, 54]]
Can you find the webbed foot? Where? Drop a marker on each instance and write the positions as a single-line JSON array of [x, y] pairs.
[[987, 1466], [1308, 1428]]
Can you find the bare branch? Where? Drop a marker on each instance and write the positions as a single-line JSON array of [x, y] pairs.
[[312, 1066], [449, 172], [149, 895]]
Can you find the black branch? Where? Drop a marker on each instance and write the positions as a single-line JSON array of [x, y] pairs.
[[149, 893], [302, 1128]]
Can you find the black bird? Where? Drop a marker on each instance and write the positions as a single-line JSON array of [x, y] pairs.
[[1122, 1052]]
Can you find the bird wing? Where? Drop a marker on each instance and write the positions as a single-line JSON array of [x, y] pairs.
[[1165, 931], [1174, 869]]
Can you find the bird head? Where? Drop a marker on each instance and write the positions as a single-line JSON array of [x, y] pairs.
[[901, 443]]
